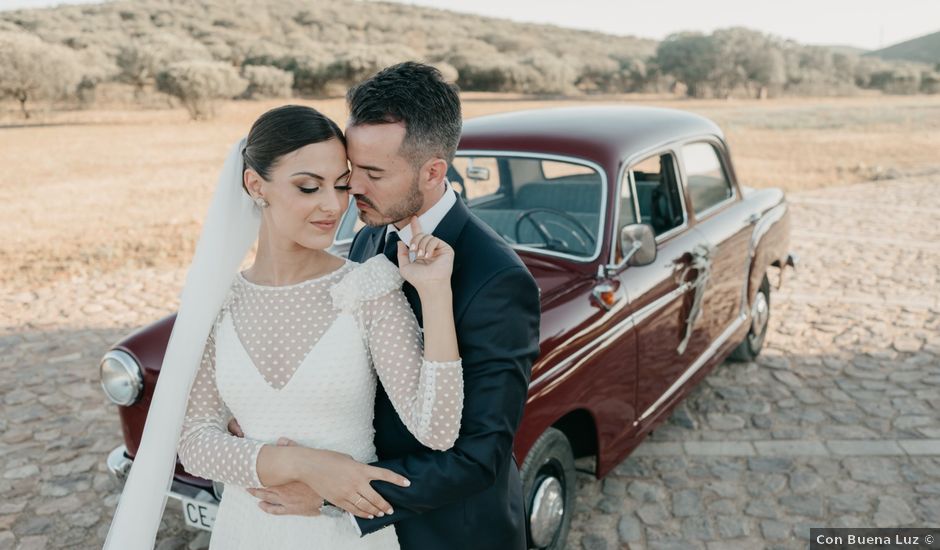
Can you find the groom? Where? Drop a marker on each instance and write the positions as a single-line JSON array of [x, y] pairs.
[[402, 134]]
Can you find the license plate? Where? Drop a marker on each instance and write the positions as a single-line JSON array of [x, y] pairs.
[[199, 514]]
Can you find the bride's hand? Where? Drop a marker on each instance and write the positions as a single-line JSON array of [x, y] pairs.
[[433, 263], [344, 482]]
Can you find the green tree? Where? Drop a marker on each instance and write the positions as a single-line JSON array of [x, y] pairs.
[[691, 57], [31, 69], [198, 84]]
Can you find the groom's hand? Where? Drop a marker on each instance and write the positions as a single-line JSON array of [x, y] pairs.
[[292, 499], [433, 263]]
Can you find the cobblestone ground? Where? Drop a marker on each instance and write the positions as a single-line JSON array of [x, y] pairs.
[[836, 424]]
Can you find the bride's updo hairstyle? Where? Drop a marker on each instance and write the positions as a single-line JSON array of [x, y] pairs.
[[283, 130]]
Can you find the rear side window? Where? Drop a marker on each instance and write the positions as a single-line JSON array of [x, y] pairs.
[[706, 180], [657, 193]]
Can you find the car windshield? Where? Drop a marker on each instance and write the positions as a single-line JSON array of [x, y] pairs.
[[534, 203], [542, 204]]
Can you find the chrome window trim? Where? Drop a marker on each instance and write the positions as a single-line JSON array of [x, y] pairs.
[[626, 165], [724, 170], [560, 158]]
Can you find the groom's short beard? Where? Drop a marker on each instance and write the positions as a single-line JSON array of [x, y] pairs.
[[408, 206]]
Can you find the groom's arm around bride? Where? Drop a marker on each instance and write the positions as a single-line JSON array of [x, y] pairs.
[[475, 484]]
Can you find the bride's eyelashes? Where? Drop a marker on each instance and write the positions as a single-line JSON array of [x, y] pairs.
[[308, 190]]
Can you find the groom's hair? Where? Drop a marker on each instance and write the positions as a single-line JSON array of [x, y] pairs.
[[417, 95]]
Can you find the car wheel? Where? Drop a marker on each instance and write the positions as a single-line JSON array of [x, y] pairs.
[[753, 343], [549, 486]]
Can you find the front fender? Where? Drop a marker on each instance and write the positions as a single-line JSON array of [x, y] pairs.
[[769, 246]]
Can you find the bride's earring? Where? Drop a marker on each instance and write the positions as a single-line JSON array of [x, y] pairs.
[[262, 202]]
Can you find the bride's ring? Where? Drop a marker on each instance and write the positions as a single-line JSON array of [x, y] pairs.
[[358, 501]]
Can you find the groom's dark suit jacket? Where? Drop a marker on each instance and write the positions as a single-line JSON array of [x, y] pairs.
[[469, 496]]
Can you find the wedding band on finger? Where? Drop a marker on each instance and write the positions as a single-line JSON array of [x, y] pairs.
[[358, 501]]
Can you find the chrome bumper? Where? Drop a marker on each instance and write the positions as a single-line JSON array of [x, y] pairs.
[[119, 466]]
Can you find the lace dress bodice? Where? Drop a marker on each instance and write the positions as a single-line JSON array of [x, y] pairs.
[[300, 361]]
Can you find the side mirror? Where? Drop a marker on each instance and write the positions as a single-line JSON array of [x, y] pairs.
[[638, 244]]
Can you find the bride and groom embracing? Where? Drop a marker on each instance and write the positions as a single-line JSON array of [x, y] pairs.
[[306, 383]]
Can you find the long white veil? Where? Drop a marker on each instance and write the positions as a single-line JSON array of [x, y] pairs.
[[230, 229]]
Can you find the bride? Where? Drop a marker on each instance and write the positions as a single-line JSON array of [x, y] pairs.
[[292, 348]]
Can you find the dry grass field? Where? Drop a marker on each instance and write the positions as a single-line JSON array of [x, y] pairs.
[[82, 192]]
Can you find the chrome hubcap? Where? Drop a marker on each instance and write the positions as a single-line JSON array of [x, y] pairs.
[[548, 511], [760, 312]]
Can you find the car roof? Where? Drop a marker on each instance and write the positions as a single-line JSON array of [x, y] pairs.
[[604, 134]]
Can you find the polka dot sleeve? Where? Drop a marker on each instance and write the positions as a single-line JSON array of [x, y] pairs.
[[427, 395], [206, 448]]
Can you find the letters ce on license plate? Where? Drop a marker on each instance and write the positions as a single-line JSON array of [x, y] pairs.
[[199, 514]]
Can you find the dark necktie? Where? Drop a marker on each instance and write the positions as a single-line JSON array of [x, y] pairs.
[[391, 247], [391, 252]]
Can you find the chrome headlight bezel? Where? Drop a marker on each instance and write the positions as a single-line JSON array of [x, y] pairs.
[[122, 379]]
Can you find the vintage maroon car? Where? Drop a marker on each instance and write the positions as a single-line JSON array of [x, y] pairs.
[[654, 266]]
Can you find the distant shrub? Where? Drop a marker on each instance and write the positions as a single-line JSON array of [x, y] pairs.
[[691, 57], [143, 58], [448, 71], [360, 61], [31, 69], [599, 74], [550, 74], [266, 81], [486, 74], [198, 83], [899, 80], [930, 82]]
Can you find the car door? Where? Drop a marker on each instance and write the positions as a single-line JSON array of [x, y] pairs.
[[659, 290], [725, 223]]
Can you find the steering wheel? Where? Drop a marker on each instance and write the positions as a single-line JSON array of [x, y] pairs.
[[573, 225]]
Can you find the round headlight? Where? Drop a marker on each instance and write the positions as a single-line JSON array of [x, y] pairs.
[[121, 378]]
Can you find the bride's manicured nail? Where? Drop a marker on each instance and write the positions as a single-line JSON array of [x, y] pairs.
[[390, 511], [371, 516], [381, 514]]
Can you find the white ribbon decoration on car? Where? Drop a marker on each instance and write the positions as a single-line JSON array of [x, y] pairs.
[[702, 264]]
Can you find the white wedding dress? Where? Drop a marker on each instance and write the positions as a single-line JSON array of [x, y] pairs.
[[300, 361]]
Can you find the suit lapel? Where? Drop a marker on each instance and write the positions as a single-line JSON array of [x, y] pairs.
[[452, 224]]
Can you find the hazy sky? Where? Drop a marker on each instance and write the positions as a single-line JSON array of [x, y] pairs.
[[868, 24]]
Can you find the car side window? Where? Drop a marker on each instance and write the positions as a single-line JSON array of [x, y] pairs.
[[657, 192], [705, 177]]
